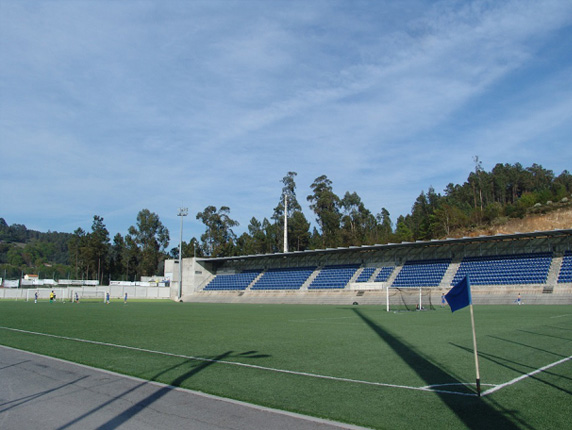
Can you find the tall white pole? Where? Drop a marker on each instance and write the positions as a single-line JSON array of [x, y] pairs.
[[387, 298], [183, 212], [285, 223], [476, 354]]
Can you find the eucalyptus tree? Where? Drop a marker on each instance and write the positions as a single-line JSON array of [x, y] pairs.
[[358, 223], [326, 207], [384, 226], [149, 238], [298, 226], [218, 239]]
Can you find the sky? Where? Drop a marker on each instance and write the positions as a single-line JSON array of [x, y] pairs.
[[111, 107]]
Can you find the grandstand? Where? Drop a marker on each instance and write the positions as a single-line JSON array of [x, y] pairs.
[[537, 265]]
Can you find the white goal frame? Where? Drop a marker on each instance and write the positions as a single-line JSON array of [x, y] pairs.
[[84, 294], [44, 294], [418, 298]]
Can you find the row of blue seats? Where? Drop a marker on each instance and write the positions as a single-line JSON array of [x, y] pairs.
[[531, 268], [283, 279], [492, 270], [334, 276], [565, 274], [422, 273], [235, 281]]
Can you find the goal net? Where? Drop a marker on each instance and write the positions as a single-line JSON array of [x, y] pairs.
[[409, 299], [85, 295], [43, 294]]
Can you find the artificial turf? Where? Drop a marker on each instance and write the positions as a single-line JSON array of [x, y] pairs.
[[355, 364]]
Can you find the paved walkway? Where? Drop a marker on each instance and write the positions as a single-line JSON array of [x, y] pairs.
[[38, 392]]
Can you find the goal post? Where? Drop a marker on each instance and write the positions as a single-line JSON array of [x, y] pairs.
[[43, 294], [408, 299], [86, 295]]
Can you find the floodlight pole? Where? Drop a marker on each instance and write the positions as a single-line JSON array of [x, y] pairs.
[[183, 212], [285, 223]]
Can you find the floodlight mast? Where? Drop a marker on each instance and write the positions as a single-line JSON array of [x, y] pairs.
[[285, 223], [183, 212]]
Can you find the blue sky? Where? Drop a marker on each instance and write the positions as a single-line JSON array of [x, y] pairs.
[[110, 107]]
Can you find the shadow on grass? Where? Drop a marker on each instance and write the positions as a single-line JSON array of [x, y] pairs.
[[546, 335], [129, 413], [501, 361], [474, 412], [527, 346]]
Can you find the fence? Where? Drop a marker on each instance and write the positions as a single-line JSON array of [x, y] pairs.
[[115, 292]]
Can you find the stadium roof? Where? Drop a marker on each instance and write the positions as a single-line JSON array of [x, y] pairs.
[[551, 234]]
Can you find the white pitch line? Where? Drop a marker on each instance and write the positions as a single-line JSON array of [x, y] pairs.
[[322, 319], [520, 378], [560, 316], [292, 372], [234, 363]]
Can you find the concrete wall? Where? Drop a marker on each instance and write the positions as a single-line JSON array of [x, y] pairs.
[[195, 276], [497, 295], [115, 292]]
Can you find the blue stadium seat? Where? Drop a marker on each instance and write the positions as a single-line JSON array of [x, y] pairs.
[[384, 274], [283, 279], [565, 274], [529, 268], [236, 281], [365, 274], [336, 276], [421, 273]]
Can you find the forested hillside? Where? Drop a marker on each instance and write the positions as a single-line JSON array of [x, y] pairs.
[[507, 199]]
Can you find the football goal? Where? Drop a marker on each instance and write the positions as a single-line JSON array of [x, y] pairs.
[[85, 295], [43, 294], [409, 299]]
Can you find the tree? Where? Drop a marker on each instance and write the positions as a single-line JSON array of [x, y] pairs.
[[298, 226], [98, 245], [77, 246], [218, 239], [384, 226], [402, 232], [325, 205], [358, 223], [116, 253], [151, 238]]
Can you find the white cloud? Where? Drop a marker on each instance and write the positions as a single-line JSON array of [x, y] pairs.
[[108, 108]]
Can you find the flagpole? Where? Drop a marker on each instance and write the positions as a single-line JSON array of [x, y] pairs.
[[476, 354]]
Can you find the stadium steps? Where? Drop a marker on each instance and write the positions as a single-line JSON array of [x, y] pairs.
[[552, 278], [255, 280], [394, 274], [355, 275], [450, 274], [311, 278], [375, 273]]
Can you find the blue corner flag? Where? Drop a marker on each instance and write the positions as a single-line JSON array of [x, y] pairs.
[[459, 296]]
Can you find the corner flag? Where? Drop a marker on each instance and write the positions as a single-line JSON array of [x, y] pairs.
[[459, 296]]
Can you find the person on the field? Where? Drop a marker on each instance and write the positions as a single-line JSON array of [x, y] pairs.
[[443, 300], [76, 297], [36, 297], [125, 299], [107, 297], [518, 300], [52, 296]]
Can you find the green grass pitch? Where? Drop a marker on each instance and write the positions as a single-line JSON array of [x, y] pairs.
[[355, 364]]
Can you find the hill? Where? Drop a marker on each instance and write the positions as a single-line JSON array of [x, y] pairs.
[[557, 219]]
